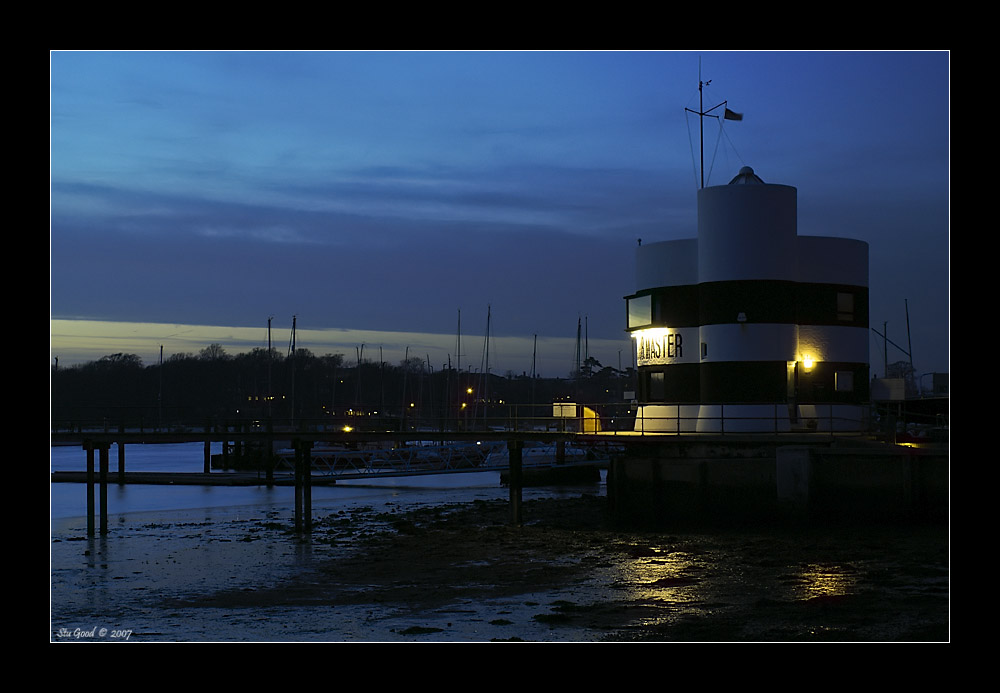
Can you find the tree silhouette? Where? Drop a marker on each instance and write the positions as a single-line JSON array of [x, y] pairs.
[[213, 352]]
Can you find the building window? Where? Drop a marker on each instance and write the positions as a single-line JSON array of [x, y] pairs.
[[657, 387], [640, 312], [843, 381], [704, 350], [845, 306]]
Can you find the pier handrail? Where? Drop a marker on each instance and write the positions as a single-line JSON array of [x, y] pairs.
[[564, 421]]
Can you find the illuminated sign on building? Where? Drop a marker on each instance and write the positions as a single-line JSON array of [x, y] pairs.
[[663, 346]]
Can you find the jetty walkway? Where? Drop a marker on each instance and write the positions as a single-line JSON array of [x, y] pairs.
[[702, 464], [303, 459]]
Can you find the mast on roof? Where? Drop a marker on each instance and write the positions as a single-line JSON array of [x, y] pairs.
[[702, 113]]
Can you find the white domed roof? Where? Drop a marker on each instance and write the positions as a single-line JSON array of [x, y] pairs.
[[746, 176]]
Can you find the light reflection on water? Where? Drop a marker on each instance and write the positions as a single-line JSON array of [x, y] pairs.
[[825, 581], [178, 541], [663, 583], [175, 541], [161, 457], [68, 500], [704, 576], [669, 576]]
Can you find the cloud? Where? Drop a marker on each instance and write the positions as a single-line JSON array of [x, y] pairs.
[[80, 341], [386, 190]]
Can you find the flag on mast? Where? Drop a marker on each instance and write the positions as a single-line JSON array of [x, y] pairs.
[[732, 115]]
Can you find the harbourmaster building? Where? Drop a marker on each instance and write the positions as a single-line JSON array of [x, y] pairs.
[[749, 326]]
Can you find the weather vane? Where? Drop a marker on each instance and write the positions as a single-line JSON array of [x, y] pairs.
[[701, 113]]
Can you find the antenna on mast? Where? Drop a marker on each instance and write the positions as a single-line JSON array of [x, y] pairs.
[[702, 113]]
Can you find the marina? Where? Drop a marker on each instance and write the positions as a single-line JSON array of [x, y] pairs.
[[434, 559], [768, 461]]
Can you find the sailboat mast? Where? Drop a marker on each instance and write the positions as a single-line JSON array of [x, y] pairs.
[[909, 342], [446, 408], [360, 351], [486, 348], [271, 317], [578, 364], [402, 416], [458, 362], [534, 354], [486, 364], [292, 354]]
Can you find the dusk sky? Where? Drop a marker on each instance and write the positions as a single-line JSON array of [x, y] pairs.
[[376, 194]]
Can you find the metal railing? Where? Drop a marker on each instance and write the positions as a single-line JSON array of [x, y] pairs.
[[605, 419], [752, 418], [372, 461], [416, 459]]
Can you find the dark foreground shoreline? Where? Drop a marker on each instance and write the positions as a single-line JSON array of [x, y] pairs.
[[463, 572]]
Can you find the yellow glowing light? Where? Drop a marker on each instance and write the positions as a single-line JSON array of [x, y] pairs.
[[807, 361], [347, 429], [655, 333], [469, 391], [825, 581], [658, 345]]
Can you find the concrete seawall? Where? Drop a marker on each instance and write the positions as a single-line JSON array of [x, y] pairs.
[[893, 483], [763, 482]]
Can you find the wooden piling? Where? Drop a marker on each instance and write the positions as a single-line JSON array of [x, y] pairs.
[[121, 455], [298, 485], [269, 455], [105, 463], [238, 445], [307, 485], [208, 448], [90, 487], [515, 480], [121, 463]]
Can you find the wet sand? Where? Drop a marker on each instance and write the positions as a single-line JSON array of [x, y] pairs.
[[461, 573]]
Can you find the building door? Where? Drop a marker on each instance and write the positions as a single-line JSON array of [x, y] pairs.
[[791, 384]]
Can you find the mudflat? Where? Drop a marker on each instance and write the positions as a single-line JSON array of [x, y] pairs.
[[463, 572]]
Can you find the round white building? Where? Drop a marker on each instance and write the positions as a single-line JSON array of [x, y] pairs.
[[750, 327]]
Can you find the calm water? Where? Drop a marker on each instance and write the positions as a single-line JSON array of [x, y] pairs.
[[68, 500], [170, 546], [178, 541]]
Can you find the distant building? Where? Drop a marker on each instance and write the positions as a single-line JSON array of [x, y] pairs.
[[750, 326]]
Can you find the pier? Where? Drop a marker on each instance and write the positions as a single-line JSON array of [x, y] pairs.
[[296, 466], [652, 477]]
